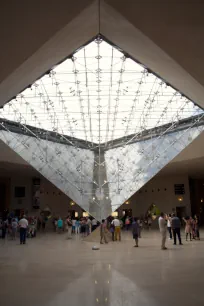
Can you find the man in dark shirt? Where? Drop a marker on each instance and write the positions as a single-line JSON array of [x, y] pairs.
[[176, 227]]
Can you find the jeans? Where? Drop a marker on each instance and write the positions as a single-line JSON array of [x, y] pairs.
[[77, 229], [177, 231], [23, 235], [170, 232]]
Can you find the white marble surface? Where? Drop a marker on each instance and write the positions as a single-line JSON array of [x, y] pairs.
[[51, 270]]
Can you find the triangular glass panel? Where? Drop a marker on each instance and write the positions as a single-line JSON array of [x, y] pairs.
[[99, 125]]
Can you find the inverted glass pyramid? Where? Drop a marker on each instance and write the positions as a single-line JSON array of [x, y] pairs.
[[99, 125]]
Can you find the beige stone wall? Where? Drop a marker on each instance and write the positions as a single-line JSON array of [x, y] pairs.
[[154, 192]]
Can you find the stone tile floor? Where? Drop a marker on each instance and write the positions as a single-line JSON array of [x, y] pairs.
[[51, 270]]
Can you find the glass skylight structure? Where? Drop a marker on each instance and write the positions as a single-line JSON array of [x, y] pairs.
[[99, 125]]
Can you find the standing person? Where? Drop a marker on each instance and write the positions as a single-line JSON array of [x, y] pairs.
[[94, 224], [83, 227], [103, 230], [135, 231], [127, 223], [59, 225], [3, 228], [149, 222], [69, 227], [88, 226], [193, 224], [14, 226], [197, 225], [73, 225], [176, 227], [188, 228], [162, 228], [140, 223], [112, 230], [23, 224], [77, 226], [169, 226], [117, 232]]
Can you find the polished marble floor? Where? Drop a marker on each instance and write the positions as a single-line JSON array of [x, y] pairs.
[[51, 270]]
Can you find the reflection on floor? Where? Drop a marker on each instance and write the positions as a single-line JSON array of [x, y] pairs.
[[51, 270]]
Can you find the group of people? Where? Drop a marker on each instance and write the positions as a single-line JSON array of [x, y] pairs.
[[114, 225], [27, 227], [173, 224], [83, 226], [10, 226]]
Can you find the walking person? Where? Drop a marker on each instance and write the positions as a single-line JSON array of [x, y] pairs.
[[23, 224], [176, 227], [103, 231], [163, 229], [117, 232], [135, 231], [169, 226]]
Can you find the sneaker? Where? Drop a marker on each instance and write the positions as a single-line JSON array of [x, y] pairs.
[[136, 246], [164, 248], [174, 243], [180, 243]]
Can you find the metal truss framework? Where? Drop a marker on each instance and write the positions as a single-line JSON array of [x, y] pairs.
[[99, 125]]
